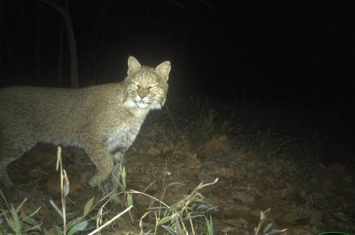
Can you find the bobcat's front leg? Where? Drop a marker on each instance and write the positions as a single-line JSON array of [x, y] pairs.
[[111, 182], [103, 162]]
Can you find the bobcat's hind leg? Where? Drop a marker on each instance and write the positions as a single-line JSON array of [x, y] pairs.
[[4, 177], [9, 152]]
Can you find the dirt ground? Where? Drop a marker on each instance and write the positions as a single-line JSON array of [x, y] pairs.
[[168, 164]]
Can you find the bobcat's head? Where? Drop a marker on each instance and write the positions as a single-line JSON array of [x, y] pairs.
[[146, 87]]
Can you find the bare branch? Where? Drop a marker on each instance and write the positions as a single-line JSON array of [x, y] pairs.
[[177, 4], [209, 6]]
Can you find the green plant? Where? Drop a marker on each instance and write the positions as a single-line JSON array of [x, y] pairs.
[[180, 217], [267, 229]]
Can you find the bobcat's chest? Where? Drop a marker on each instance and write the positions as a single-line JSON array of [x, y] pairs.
[[122, 139]]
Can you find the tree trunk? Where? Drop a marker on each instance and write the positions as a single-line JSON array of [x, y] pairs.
[[71, 41], [60, 55], [37, 53], [1, 63]]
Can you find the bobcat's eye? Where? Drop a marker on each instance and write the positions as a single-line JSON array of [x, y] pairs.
[[149, 87], [138, 86]]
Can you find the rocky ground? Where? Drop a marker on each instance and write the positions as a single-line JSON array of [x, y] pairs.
[[257, 169]]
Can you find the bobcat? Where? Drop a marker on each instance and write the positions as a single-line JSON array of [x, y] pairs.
[[104, 120]]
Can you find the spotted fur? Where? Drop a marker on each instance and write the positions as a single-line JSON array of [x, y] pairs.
[[103, 120]]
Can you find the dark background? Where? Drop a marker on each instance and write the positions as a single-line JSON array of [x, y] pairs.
[[299, 53]]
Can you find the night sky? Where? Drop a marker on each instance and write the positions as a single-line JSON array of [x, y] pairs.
[[283, 52]]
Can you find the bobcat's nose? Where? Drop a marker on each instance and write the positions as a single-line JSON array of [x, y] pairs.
[[142, 92]]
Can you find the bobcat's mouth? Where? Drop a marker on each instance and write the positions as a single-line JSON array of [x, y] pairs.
[[147, 103], [141, 104]]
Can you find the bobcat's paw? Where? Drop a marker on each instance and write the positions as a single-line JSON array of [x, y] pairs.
[[94, 181], [99, 177]]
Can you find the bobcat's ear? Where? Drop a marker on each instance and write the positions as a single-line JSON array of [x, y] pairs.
[[164, 69], [133, 64]]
